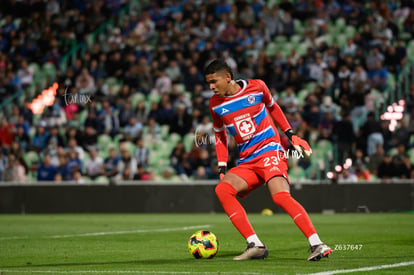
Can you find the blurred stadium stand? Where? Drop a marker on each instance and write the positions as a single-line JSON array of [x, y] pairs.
[[141, 63]]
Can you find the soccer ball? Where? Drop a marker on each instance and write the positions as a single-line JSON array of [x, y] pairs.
[[203, 244]]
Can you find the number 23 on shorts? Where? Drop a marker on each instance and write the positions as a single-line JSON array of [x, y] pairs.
[[270, 160]]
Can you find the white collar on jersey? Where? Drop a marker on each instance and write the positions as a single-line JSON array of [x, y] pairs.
[[243, 84]]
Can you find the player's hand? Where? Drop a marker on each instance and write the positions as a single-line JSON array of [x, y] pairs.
[[222, 171], [300, 144]]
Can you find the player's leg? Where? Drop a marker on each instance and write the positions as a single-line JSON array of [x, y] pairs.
[[280, 191], [226, 191]]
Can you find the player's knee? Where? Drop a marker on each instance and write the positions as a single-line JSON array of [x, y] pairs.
[[224, 189], [281, 197]]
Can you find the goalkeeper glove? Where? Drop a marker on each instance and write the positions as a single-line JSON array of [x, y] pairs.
[[222, 171], [300, 145]]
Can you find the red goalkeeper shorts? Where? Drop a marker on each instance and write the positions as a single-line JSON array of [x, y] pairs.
[[260, 170]]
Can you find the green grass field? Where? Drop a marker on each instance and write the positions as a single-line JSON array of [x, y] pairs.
[[157, 244]]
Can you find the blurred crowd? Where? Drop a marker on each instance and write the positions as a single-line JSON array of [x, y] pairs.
[[325, 62]]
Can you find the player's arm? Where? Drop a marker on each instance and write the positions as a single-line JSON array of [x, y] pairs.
[[221, 144], [279, 117]]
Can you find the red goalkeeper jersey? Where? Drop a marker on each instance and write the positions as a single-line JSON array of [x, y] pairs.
[[245, 115]]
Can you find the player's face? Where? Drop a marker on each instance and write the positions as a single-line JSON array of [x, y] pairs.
[[219, 82]]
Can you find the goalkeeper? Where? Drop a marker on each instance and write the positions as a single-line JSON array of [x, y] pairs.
[[245, 108]]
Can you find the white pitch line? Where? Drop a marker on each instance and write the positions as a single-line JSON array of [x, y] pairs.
[[110, 233], [368, 268], [125, 272]]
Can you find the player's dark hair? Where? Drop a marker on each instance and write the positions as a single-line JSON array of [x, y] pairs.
[[216, 66]]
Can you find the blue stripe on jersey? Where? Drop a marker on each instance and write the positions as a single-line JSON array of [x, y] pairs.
[[273, 146], [238, 104], [258, 118], [231, 129], [267, 133]]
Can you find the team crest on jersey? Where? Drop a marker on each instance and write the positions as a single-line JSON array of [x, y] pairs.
[[251, 99]]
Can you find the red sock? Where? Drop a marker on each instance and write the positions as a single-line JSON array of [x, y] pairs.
[[227, 196], [285, 201]]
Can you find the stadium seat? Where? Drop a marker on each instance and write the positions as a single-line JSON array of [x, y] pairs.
[[410, 152], [40, 80], [49, 70], [116, 139], [410, 50], [189, 141], [104, 142], [295, 39], [391, 81], [32, 160], [302, 94], [144, 132], [341, 39], [101, 179], [154, 97], [34, 68], [180, 87], [280, 39], [164, 131], [114, 84], [340, 24], [393, 151], [298, 26], [137, 97], [271, 3], [350, 31], [174, 138], [271, 49], [324, 145], [296, 173], [129, 146], [82, 116]]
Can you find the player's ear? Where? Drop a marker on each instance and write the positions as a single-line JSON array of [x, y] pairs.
[[228, 77]]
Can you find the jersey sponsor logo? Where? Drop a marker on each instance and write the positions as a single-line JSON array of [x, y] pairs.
[[274, 168], [224, 110]]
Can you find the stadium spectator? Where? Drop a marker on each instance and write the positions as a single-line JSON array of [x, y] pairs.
[[375, 160], [386, 169], [46, 171], [133, 130], [405, 168], [402, 134], [326, 80], [141, 153], [362, 173], [55, 137], [63, 169], [326, 126], [39, 141], [108, 120], [347, 176], [178, 158], [22, 138], [25, 74], [72, 145], [110, 165], [75, 163], [378, 76], [127, 165], [78, 178], [142, 173], [181, 121], [371, 133]]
